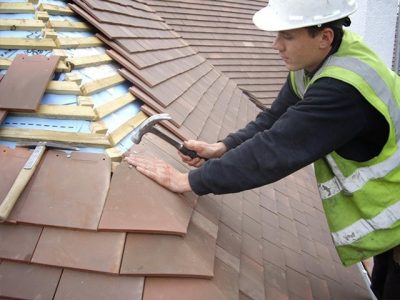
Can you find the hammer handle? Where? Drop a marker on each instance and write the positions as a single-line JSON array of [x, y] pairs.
[[176, 144], [20, 183], [188, 152]]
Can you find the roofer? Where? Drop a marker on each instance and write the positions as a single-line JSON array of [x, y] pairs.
[[338, 108]]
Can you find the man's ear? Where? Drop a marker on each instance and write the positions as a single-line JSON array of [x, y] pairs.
[[327, 35]]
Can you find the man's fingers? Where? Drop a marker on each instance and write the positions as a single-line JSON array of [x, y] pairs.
[[161, 172]]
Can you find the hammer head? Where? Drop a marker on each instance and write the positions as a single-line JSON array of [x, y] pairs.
[[146, 126]]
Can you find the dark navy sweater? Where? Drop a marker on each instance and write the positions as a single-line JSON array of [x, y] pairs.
[[333, 116]]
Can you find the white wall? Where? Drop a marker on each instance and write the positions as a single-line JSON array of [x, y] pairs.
[[375, 21]]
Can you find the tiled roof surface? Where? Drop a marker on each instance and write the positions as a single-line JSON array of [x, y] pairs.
[[268, 243], [223, 32]]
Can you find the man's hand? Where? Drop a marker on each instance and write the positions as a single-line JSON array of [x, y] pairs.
[[203, 149], [161, 172]]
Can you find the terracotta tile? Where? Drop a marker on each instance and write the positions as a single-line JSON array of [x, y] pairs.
[[300, 217], [275, 277], [252, 248], [298, 284], [302, 230], [233, 201], [272, 293], [208, 226], [11, 162], [47, 199], [243, 296], [267, 198], [231, 218], [308, 247], [287, 224], [104, 12], [251, 280], [84, 285], [319, 287], [25, 82], [252, 210], [281, 190], [223, 286], [316, 233], [337, 290], [283, 205], [167, 92], [329, 270], [269, 217], [334, 254], [323, 251], [152, 145], [273, 254], [154, 254], [251, 227], [210, 207], [149, 101], [227, 258], [229, 240], [294, 260], [95, 251], [25, 281], [135, 203], [163, 71], [18, 241], [289, 240], [209, 132], [270, 234]]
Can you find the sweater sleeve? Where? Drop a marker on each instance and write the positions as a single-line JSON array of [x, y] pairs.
[[328, 117], [265, 119]]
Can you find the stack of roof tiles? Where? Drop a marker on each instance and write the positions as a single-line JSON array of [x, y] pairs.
[[125, 237]]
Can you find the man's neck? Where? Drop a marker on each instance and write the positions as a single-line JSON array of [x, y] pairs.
[[334, 48]]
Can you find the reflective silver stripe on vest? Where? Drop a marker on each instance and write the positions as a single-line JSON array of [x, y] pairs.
[[363, 227], [360, 177], [330, 188], [299, 78], [373, 79]]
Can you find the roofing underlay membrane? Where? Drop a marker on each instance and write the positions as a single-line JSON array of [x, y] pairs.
[[88, 226], [87, 74]]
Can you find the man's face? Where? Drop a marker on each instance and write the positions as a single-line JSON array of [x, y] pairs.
[[299, 50]]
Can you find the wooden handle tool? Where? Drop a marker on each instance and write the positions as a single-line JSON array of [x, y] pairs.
[[25, 175]]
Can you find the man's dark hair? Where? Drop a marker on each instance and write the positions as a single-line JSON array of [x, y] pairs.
[[336, 26]]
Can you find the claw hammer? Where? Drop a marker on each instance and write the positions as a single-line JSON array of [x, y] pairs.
[[26, 173], [149, 126]]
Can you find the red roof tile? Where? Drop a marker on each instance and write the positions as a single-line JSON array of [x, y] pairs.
[[26, 73], [271, 242], [23, 281], [47, 199], [137, 204]]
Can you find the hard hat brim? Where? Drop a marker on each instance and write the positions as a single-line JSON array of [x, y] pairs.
[[270, 20]]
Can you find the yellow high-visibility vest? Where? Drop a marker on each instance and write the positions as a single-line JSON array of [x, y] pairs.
[[361, 199]]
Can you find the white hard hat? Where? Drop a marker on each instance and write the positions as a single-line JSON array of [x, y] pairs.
[[290, 14]]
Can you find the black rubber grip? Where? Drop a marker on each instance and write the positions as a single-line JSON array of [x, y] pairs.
[[188, 152]]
